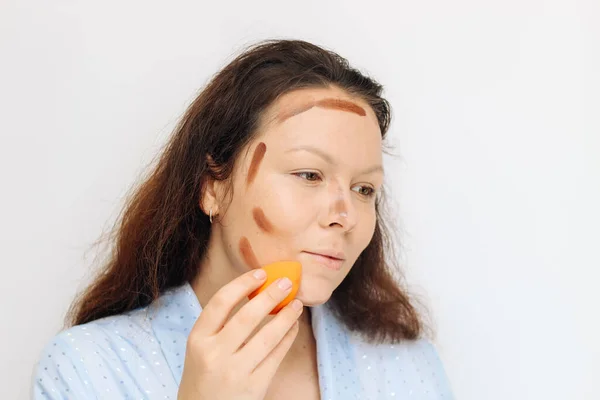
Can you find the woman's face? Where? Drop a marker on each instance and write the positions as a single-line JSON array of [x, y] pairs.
[[305, 188]]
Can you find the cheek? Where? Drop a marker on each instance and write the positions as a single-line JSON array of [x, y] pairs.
[[368, 224], [248, 254], [262, 221], [280, 211], [264, 227]]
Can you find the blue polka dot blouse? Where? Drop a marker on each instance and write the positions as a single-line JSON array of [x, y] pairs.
[[140, 355]]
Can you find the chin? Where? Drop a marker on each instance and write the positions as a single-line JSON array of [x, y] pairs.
[[314, 291]]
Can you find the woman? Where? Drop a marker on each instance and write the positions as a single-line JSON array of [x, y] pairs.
[[279, 158]]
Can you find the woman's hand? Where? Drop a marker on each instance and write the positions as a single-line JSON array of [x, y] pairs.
[[219, 364]]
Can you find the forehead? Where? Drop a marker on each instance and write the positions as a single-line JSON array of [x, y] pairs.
[[362, 131]]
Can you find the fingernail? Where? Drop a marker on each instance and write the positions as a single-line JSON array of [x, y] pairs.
[[260, 274], [284, 284], [297, 305]]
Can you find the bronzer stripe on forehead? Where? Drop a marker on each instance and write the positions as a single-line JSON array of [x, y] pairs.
[[259, 153], [261, 220], [331, 103], [248, 253]]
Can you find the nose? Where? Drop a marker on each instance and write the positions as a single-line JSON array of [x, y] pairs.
[[341, 212]]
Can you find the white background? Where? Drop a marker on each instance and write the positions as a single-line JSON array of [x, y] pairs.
[[496, 181]]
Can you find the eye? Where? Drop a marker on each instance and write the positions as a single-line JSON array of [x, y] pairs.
[[308, 175], [366, 191]]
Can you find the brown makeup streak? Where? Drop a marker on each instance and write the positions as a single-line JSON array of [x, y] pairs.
[[331, 103], [343, 105], [338, 207], [259, 153], [248, 253], [261, 220]]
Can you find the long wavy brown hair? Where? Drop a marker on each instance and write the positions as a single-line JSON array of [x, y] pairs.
[[161, 235]]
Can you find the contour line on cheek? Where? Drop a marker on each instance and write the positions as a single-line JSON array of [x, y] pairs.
[[259, 153], [261, 220], [248, 253]]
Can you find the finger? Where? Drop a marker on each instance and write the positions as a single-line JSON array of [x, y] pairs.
[[249, 317], [265, 370], [270, 336], [218, 308]]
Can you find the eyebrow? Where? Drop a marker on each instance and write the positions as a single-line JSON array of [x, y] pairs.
[[331, 103], [329, 159]]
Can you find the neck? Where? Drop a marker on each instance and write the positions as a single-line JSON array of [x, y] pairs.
[[305, 340]]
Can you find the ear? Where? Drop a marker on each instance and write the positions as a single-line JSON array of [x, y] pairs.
[[208, 196], [211, 191]]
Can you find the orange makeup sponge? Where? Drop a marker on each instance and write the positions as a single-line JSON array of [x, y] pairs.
[[280, 269]]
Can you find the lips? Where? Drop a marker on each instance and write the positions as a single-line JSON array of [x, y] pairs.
[[338, 255], [330, 259]]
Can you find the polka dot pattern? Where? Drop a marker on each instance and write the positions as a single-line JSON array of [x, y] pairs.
[[140, 355], [350, 368]]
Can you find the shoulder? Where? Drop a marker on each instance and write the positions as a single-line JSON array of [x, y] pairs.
[[409, 367], [420, 352], [102, 356]]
